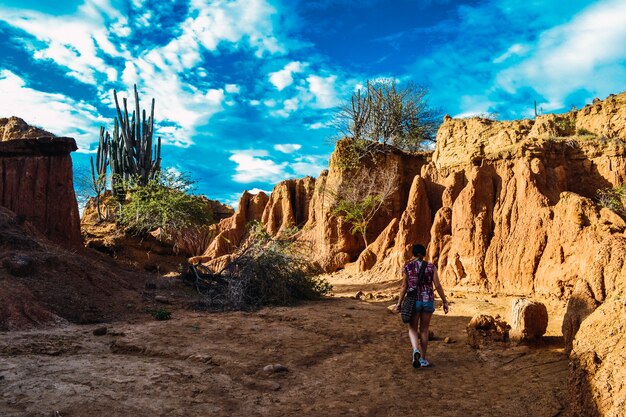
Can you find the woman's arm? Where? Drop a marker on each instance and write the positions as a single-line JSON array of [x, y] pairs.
[[440, 291], [402, 291]]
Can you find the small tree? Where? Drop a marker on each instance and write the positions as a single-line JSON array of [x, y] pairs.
[[362, 198], [391, 113], [164, 202]]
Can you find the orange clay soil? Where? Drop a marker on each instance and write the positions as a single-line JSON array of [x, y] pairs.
[[343, 357]]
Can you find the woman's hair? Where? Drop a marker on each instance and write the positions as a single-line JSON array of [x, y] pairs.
[[419, 250]]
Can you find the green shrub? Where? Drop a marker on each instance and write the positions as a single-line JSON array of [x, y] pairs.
[[566, 126], [162, 314], [613, 199], [164, 202]]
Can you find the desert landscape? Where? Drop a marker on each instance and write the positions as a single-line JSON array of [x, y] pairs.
[[502, 204], [223, 208]]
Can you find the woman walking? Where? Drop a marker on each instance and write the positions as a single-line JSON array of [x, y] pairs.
[[423, 284]]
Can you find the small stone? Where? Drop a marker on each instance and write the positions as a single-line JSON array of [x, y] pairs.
[[447, 340], [100, 331], [280, 368], [451, 294], [392, 309], [275, 368], [130, 305], [162, 299], [359, 295], [369, 296]]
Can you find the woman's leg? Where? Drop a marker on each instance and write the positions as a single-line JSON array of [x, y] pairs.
[[413, 335], [424, 324]]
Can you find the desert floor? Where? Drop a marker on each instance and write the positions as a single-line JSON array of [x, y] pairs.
[[342, 357]]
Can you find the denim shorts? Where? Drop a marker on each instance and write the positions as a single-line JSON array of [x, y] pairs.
[[424, 307]]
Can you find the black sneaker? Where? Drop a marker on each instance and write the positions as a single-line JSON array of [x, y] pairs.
[[416, 359]]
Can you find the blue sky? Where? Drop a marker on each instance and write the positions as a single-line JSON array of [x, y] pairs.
[[245, 89]]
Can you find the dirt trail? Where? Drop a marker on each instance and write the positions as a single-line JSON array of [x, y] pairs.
[[344, 357]]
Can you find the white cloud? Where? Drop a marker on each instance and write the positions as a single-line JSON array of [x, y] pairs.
[[323, 89], [56, 113], [255, 191], [253, 166], [284, 78], [72, 41], [319, 125], [287, 147], [232, 88], [308, 165], [515, 49], [81, 41], [289, 106], [585, 53]]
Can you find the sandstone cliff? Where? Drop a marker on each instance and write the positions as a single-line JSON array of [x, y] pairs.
[[36, 183]]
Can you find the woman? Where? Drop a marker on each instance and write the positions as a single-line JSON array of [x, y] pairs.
[[425, 304]]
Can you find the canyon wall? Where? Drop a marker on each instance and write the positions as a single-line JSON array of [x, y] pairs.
[[36, 183]]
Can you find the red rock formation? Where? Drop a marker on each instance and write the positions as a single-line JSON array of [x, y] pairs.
[[231, 231], [16, 128], [36, 183], [288, 205]]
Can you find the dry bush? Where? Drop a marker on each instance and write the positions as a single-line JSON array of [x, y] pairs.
[[265, 271]]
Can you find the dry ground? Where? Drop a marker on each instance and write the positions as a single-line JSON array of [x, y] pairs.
[[343, 357]]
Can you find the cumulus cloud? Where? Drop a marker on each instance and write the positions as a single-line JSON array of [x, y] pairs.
[[308, 165], [255, 166], [287, 147], [57, 113], [574, 55], [284, 78], [97, 34], [323, 89]]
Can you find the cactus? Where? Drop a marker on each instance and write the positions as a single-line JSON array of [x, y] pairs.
[[132, 154], [99, 170]]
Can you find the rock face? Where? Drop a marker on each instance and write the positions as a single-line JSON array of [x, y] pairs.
[[288, 205], [230, 232], [598, 362], [529, 320], [36, 183], [16, 128]]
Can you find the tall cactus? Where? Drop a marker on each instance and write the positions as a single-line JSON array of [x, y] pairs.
[[99, 170], [132, 154]]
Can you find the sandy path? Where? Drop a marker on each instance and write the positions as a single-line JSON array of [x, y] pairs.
[[344, 357]]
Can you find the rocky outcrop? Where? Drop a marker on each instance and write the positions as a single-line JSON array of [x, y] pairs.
[[335, 245], [230, 232], [288, 205], [16, 128], [220, 211], [598, 362], [36, 183]]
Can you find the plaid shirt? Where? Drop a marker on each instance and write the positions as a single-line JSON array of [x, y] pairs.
[[425, 291]]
